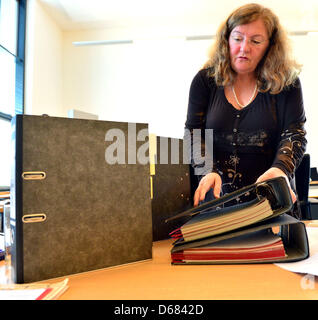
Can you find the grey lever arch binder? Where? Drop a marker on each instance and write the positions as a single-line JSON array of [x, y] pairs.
[[71, 210], [171, 186]]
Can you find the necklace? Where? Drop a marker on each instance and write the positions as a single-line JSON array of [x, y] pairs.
[[249, 101]]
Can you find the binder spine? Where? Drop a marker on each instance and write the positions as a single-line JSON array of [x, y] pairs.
[[17, 201]]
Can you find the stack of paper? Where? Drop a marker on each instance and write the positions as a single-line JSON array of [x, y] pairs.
[[219, 221], [256, 246], [33, 291]]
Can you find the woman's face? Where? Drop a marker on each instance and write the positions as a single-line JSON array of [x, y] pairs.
[[248, 44]]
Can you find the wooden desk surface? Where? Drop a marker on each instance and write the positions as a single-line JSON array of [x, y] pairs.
[[157, 279]]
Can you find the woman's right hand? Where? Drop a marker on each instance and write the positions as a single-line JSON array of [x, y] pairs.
[[211, 180]]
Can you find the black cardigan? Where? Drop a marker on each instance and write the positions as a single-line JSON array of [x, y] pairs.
[[269, 132]]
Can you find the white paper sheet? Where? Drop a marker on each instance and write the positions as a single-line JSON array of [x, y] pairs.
[[17, 294], [309, 265]]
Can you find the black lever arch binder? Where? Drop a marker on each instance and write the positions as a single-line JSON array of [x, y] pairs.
[[292, 231]]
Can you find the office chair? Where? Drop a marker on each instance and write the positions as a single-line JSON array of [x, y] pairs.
[[302, 179], [314, 174]]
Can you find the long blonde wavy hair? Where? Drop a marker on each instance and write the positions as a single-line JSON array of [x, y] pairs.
[[277, 68]]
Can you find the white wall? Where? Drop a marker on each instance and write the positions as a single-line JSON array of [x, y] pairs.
[[305, 48], [147, 81], [44, 63]]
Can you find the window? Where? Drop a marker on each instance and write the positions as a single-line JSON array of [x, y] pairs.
[[12, 39]]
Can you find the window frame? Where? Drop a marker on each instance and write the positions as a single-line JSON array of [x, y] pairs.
[[19, 62]]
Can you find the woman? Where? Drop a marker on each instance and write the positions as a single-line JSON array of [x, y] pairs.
[[250, 95]]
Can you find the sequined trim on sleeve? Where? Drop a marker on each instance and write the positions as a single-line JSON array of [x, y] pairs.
[[291, 148]]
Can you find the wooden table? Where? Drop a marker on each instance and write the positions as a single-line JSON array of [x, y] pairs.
[[157, 279]]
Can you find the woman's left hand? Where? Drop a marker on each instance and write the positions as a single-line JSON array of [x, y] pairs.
[[274, 173]]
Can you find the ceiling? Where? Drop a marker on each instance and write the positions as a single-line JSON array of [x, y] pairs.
[[84, 14]]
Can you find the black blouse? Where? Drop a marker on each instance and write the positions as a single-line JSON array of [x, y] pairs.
[[269, 132]]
